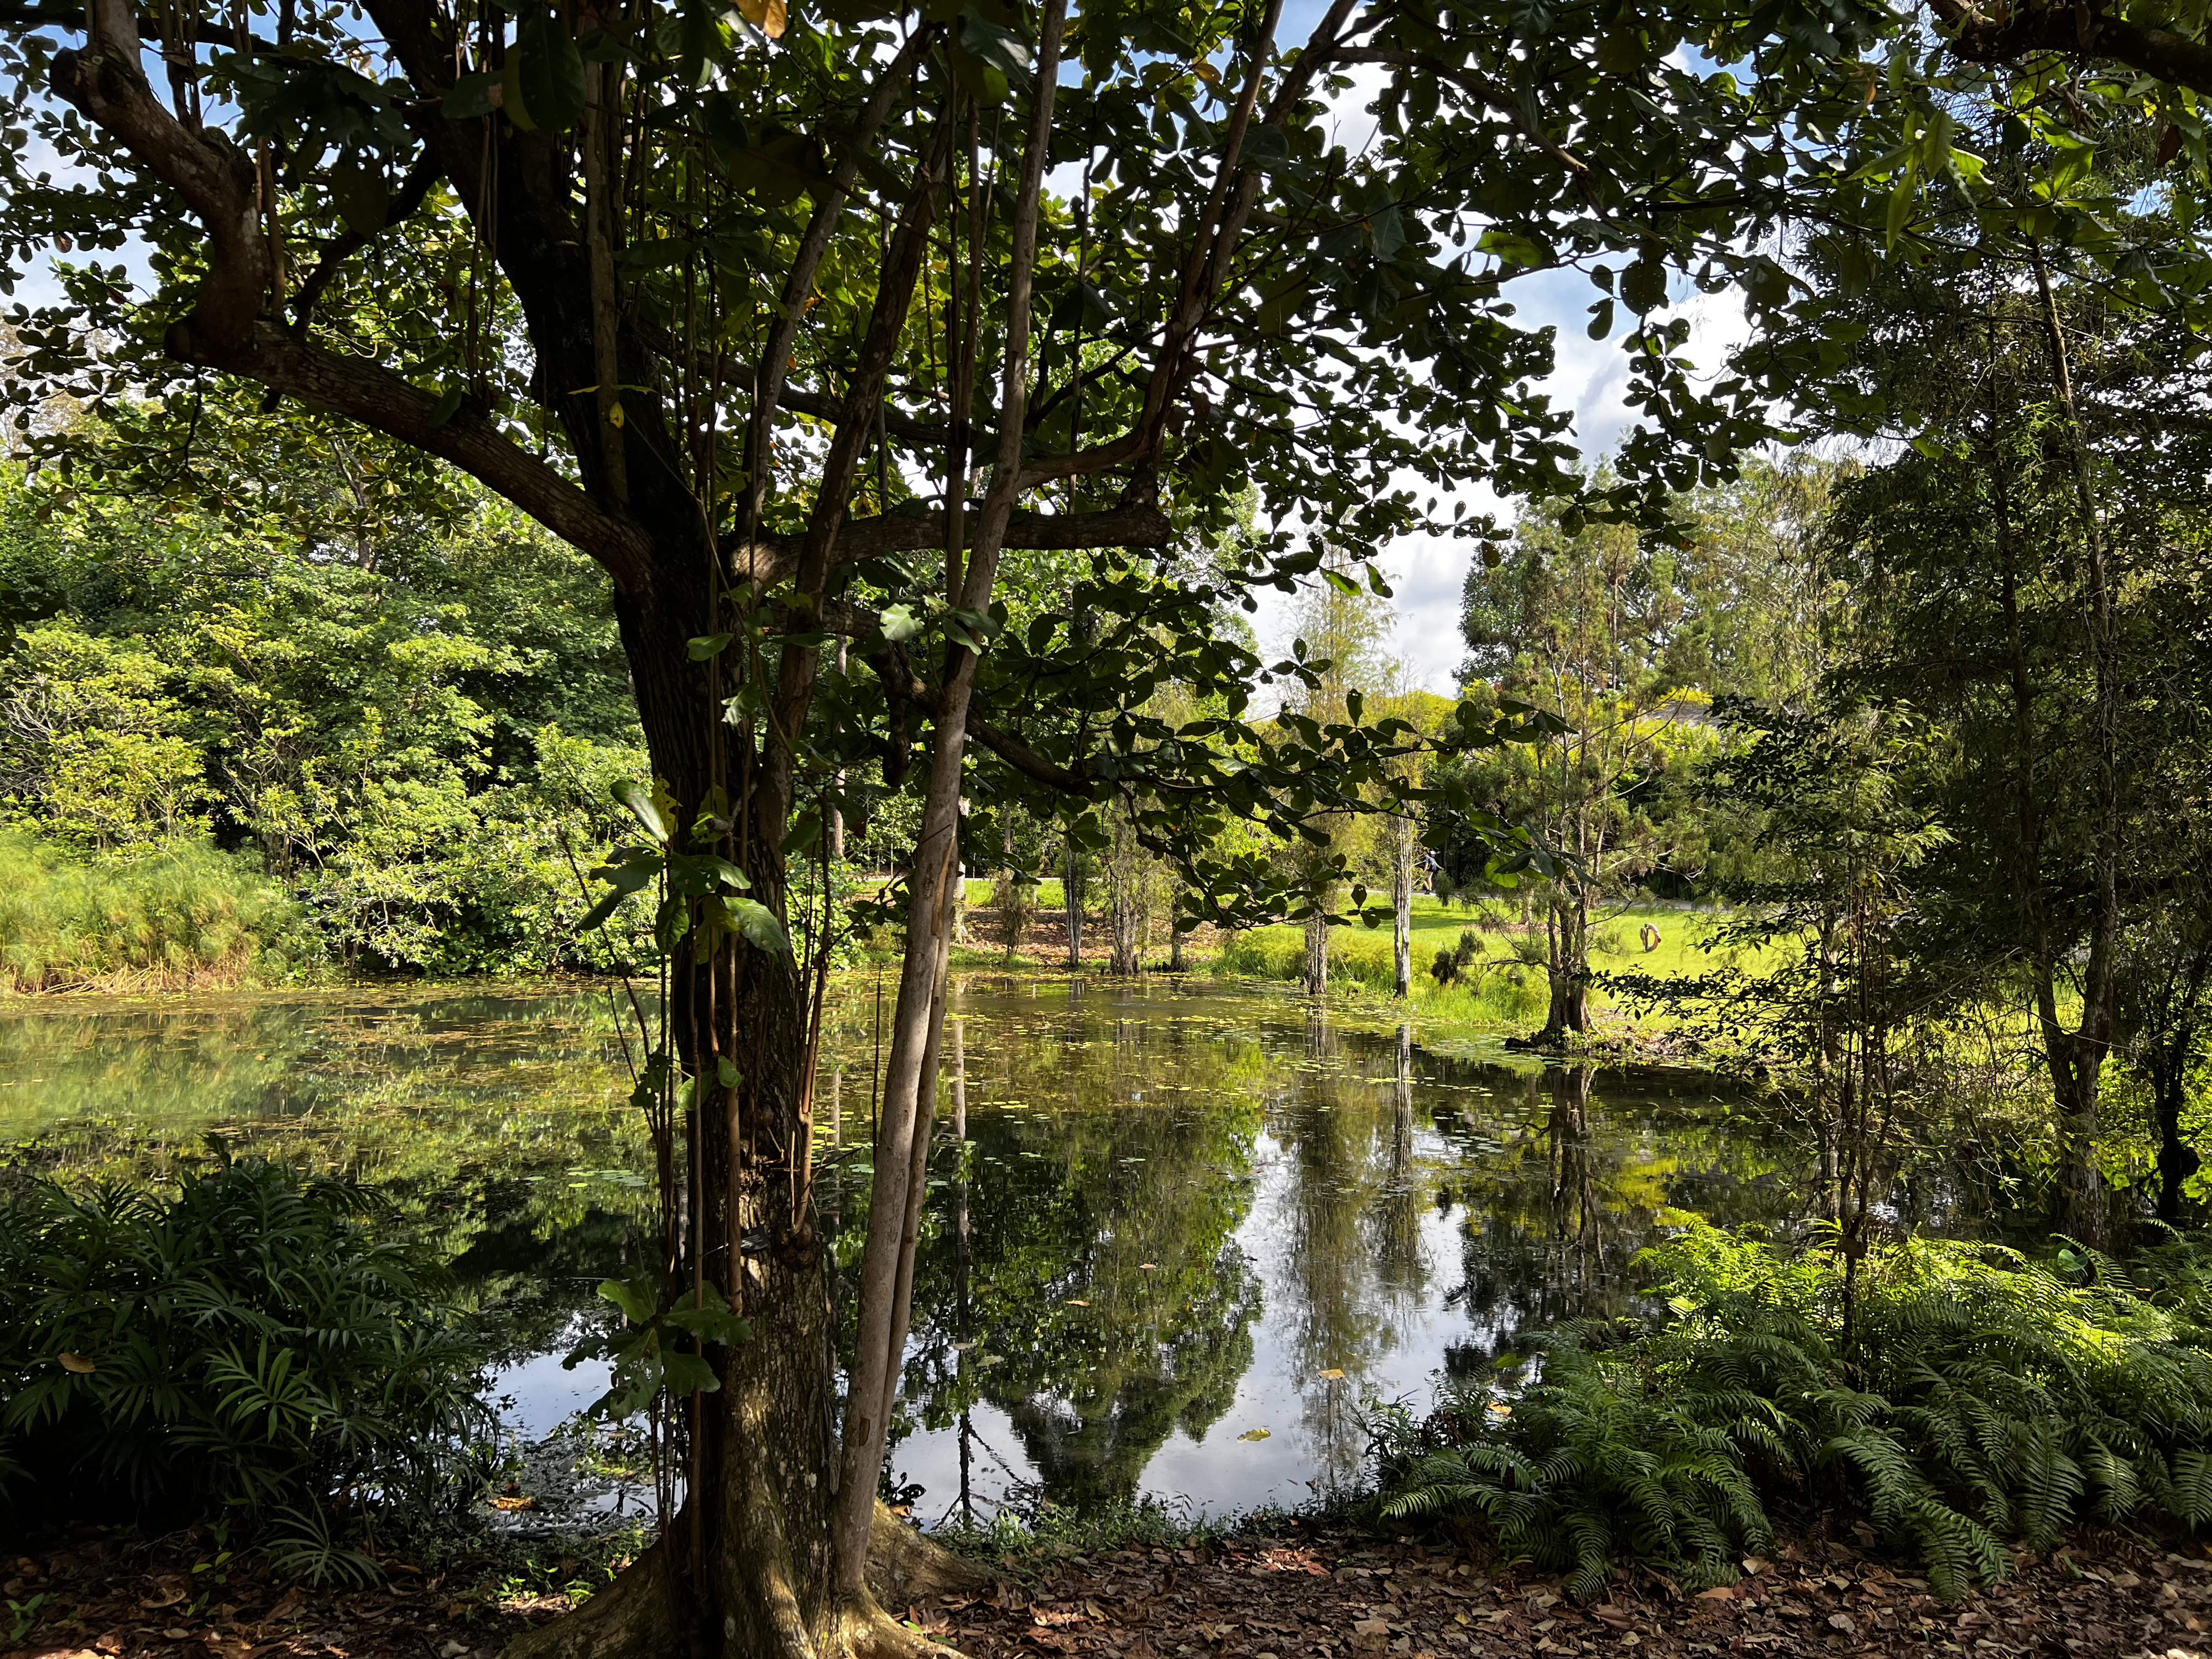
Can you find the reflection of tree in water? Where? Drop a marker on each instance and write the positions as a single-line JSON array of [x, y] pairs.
[[1351, 1215], [1095, 1292], [1558, 1197]]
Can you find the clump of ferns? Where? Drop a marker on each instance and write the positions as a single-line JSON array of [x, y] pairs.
[[1982, 1397], [245, 1342]]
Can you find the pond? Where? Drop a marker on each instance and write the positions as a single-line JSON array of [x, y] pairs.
[[1177, 1231]]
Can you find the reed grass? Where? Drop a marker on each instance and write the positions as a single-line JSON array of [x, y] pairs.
[[183, 916]]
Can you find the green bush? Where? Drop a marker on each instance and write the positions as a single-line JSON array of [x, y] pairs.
[[164, 918], [243, 1342], [1962, 1393]]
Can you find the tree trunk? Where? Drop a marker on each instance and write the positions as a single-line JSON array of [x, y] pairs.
[[2084, 1207], [2176, 1158], [749, 1565], [1567, 974], [1401, 895], [1071, 894], [1317, 974]]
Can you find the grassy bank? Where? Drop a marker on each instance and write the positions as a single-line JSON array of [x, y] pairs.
[[183, 916], [1501, 984]]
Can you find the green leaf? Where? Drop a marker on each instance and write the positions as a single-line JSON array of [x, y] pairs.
[[709, 645], [803, 835], [1514, 250], [712, 1322], [359, 194], [543, 85], [757, 923], [726, 1071], [598, 914], [1376, 584], [1342, 583], [448, 403], [1644, 286], [633, 794], [470, 99], [1601, 327], [634, 1297], [900, 623], [683, 1373]]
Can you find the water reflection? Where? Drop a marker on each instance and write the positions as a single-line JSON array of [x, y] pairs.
[[1173, 1235]]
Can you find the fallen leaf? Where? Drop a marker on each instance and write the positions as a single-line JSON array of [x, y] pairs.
[[1148, 1267], [1332, 1374], [1255, 1434], [169, 1598], [1842, 1621], [178, 1635], [78, 1364], [1077, 1302], [1717, 1593]]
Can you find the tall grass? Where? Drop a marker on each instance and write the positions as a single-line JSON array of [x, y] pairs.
[[180, 916]]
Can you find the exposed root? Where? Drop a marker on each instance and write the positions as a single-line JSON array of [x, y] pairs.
[[634, 1617], [868, 1632], [904, 1566]]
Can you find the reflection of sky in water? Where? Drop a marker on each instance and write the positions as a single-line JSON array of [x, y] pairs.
[[1185, 1202]]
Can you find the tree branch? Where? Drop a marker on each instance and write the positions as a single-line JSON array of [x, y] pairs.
[[772, 559], [405, 204], [371, 394], [2086, 32], [55, 14]]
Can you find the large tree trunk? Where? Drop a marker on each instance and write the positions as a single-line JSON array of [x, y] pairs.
[[1316, 974], [748, 1564]]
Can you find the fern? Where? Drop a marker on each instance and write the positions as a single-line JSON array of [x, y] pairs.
[[250, 1343], [1986, 1396]]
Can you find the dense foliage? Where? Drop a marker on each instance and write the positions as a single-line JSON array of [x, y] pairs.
[[409, 733], [245, 1341], [1960, 1395]]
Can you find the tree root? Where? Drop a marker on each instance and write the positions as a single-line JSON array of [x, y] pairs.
[[635, 1616]]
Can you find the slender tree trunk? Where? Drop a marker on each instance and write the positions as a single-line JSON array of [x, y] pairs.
[[1071, 894], [1317, 974], [2077, 1060], [1401, 895]]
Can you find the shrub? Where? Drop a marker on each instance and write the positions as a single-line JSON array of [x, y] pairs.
[[159, 918], [1962, 1392], [244, 1341]]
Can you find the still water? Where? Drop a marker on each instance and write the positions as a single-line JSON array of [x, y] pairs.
[[1175, 1233]]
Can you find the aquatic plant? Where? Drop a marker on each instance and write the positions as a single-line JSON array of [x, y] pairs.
[[245, 1341], [1962, 1394]]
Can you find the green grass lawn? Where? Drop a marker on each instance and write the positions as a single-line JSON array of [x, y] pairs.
[[1501, 990], [1505, 991]]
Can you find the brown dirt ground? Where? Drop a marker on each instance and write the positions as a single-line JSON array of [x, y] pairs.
[[1313, 1594]]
